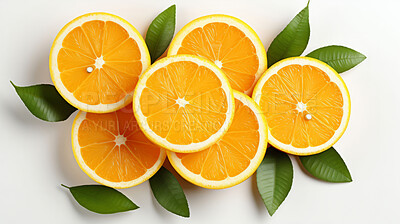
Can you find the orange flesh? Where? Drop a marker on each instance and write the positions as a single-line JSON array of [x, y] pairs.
[[98, 136], [118, 62], [184, 103], [282, 97], [232, 154], [226, 45]]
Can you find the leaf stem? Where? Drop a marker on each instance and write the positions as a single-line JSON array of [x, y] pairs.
[[65, 186]]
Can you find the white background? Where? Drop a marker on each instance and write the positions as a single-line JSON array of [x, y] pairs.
[[36, 156]]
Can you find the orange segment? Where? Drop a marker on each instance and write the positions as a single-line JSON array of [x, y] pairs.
[[94, 31], [234, 161], [291, 82], [161, 83], [214, 166], [131, 166], [217, 32], [212, 101], [161, 122], [203, 130], [114, 36], [185, 103], [181, 74], [146, 153], [110, 170], [91, 133], [193, 160], [282, 125], [96, 61], [314, 79], [300, 137], [234, 157], [87, 92], [180, 130], [247, 148], [76, 40], [229, 43], [96, 153], [204, 80], [197, 43], [113, 150], [233, 36], [210, 122], [131, 68], [124, 81], [103, 122], [73, 78], [329, 96], [69, 59], [155, 102], [305, 102], [127, 51]]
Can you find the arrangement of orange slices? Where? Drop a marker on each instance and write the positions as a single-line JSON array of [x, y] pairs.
[[193, 105]]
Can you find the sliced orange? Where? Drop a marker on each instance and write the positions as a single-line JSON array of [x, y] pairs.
[[112, 150], [184, 103], [306, 103], [232, 159], [96, 60], [227, 41]]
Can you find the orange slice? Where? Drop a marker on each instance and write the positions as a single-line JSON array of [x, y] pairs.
[[306, 103], [112, 150], [227, 41], [232, 159], [96, 61], [184, 103]]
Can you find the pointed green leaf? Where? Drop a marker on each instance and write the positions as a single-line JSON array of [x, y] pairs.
[[327, 165], [160, 32], [45, 102], [101, 199], [338, 57], [274, 178], [292, 41], [168, 192]]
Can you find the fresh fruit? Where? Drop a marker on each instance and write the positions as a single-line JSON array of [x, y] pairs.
[[95, 62], [306, 103], [227, 41], [233, 158], [184, 103], [112, 150]]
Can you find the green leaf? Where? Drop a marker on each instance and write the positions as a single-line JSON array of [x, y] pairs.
[[44, 102], [338, 57], [160, 32], [168, 192], [328, 166], [101, 199], [274, 178], [292, 41]]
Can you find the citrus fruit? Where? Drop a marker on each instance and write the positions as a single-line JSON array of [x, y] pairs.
[[112, 150], [227, 41], [306, 103], [184, 103], [95, 62], [233, 158]]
